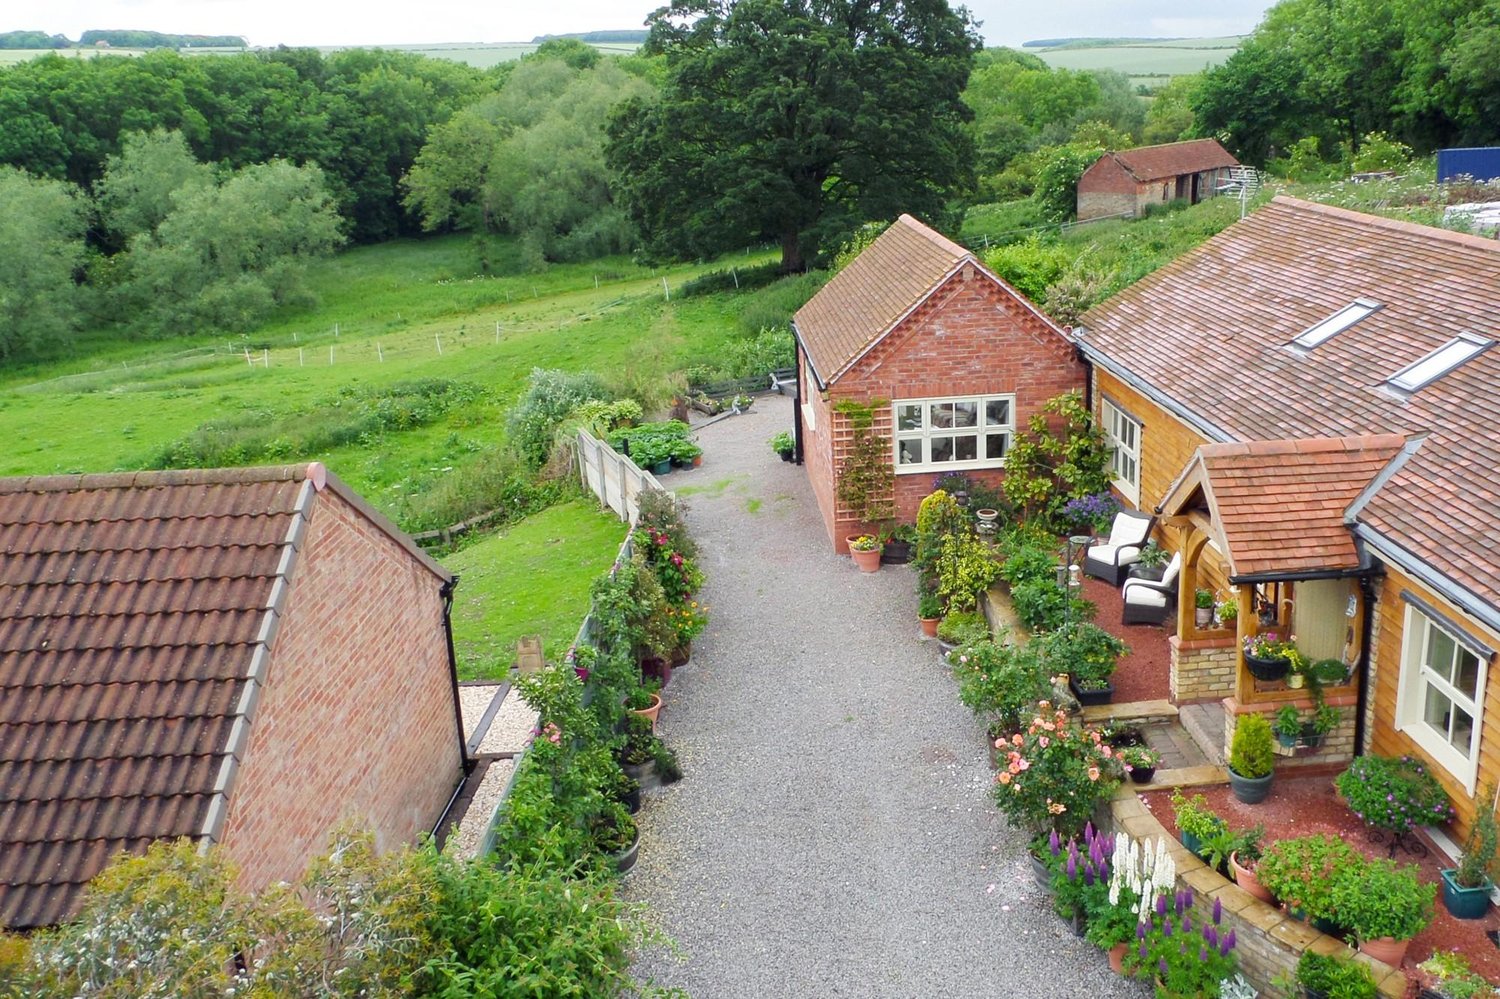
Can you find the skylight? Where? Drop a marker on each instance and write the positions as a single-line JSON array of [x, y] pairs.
[[1336, 323], [1438, 363]]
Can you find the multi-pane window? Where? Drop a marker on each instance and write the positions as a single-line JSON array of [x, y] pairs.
[[1443, 680], [1123, 435], [954, 433]]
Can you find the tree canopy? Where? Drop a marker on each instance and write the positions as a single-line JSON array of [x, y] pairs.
[[795, 120]]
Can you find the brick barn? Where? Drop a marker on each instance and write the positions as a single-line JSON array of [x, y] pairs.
[[243, 657], [1126, 182], [951, 358]]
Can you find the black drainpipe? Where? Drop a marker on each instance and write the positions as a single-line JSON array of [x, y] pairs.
[[797, 406], [1088, 381], [1367, 594], [458, 712]]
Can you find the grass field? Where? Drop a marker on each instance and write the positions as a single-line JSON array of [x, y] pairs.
[[1144, 62], [122, 404], [532, 579], [480, 56]]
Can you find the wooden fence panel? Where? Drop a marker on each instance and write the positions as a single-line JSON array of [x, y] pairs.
[[612, 477]]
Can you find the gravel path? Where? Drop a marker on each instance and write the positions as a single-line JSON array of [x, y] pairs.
[[834, 836]]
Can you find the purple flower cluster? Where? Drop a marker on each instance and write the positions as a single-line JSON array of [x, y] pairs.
[[1095, 511]]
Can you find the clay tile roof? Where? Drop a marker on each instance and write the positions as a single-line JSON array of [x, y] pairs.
[[1280, 505], [129, 608], [1209, 333], [1147, 163], [873, 292]]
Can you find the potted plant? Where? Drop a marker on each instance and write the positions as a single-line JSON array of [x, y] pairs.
[[1243, 860], [1288, 725], [645, 701], [615, 834], [1446, 975], [1056, 774], [1302, 871], [1393, 795], [1184, 956], [929, 612], [1203, 608], [1152, 561], [1323, 976], [1251, 760], [1325, 719], [1195, 820], [1466, 888], [866, 551], [897, 542], [961, 628], [1140, 762], [1384, 906], [783, 445], [1267, 656], [1088, 655], [1227, 611]]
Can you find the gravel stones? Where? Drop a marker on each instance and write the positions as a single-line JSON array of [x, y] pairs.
[[834, 834]]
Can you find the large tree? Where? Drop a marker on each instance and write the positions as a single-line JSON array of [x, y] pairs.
[[795, 120], [42, 224]]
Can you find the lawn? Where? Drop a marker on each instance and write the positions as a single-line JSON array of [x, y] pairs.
[[390, 315], [532, 579]]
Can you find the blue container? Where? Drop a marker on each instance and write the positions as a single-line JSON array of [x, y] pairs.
[[1479, 162]]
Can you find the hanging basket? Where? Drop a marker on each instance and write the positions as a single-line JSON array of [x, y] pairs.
[[1275, 668]]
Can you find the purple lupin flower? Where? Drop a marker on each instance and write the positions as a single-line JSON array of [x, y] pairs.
[[1140, 931], [1072, 865], [1202, 955], [1054, 843], [1088, 832], [1143, 951], [1211, 935], [1177, 903], [1161, 905], [1218, 910], [1166, 927], [1162, 967], [1187, 923], [1227, 944]]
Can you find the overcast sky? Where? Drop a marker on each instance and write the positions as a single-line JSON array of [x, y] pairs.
[[285, 22]]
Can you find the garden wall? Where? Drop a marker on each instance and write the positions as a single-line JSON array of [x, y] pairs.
[[1268, 943], [1203, 669]]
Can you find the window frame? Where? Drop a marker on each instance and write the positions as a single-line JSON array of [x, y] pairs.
[[980, 431], [1109, 411], [1417, 675]]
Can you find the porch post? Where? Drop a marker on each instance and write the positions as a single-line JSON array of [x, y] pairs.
[[1243, 630]]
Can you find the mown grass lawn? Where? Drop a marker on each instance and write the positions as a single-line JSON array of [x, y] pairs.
[[532, 579]]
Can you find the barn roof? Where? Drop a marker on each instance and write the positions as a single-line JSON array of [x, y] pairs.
[[1172, 159]]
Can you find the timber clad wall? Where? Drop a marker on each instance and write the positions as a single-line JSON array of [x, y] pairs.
[[969, 338], [357, 717], [1383, 737]]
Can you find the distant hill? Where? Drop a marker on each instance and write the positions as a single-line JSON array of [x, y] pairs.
[[126, 39], [1089, 43], [634, 35]]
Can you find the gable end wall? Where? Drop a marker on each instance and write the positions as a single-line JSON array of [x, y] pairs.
[[356, 720]]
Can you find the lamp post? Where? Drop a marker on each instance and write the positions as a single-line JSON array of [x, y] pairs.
[[1069, 573]]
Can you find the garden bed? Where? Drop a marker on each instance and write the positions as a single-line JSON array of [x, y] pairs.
[[1302, 806], [1144, 674]]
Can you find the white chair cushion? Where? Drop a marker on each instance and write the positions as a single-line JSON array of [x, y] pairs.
[[1128, 530], [1108, 553], [1145, 596]]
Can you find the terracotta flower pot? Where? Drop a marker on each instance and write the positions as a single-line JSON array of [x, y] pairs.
[[929, 626], [1386, 949], [651, 712], [1117, 958], [1246, 879], [867, 561]]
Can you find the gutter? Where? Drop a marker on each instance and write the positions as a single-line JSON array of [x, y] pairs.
[[1199, 423], [446, 593]]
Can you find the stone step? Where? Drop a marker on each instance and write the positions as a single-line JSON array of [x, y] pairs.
[[1130, 713], [1205, 723]]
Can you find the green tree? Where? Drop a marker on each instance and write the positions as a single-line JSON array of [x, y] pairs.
[[1254, 101], [795, 120], [228, 254], [42, 225], [1169, 117], [136, 193]]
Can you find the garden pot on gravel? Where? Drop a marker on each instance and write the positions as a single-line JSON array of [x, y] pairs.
[[896, 552], [651, 712], [868, 561], [626, 858], [1464, 903], [1040, 872], [1117, 958], [1250, 790], [929, 626]]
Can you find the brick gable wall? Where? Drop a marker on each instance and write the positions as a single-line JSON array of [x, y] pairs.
[[357, 717], [971, 337]]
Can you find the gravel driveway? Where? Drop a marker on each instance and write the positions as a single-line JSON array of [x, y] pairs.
[[834, 835]]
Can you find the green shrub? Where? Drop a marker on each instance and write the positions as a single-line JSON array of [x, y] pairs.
[[962, 627], [966, 567], [1250, 751], [772, 306], [1302, 871], [1194, 817], [549, 398], [1084, 651], [1378, 899], [1393, 794], [1001, 682], [494, 479], [1042, 606], [1335, 976]]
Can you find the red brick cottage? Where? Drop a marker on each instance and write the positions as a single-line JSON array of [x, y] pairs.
[[1126, 182], [239, 656], [953, 358]]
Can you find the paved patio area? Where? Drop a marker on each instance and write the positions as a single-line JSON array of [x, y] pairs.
[[835, 835]]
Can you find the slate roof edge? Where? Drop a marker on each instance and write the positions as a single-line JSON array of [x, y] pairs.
[[1093, 355], [255, 678], [1464, 599]]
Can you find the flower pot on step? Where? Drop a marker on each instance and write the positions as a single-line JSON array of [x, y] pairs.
[[1250, 790], [1142, 775], [1464, 903], [1246, 879], [657, 669]]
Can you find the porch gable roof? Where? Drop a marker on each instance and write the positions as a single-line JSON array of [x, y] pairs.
[[1281, 509]]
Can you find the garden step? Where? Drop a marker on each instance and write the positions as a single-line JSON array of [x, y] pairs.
[[1187, 777], [1130, 713], [1205, 723]]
